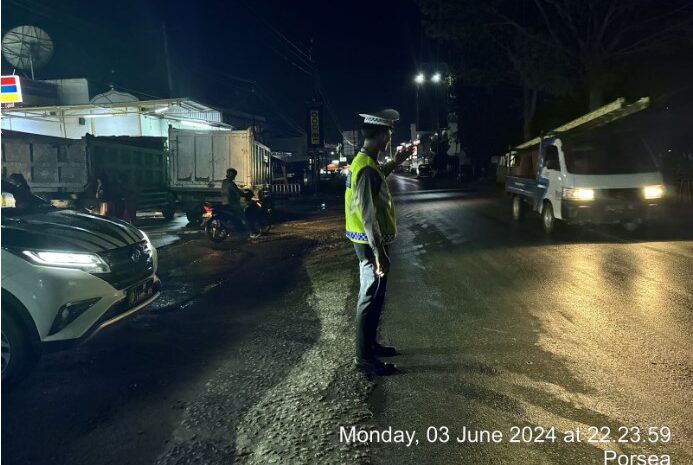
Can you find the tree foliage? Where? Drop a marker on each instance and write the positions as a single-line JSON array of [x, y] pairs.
[[551, 46]]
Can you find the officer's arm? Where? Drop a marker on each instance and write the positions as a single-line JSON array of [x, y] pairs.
[[388, 167], [366, 188]]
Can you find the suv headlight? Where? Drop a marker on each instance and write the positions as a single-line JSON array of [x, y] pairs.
[[578, 193], [89, 262], [653, 192], [148, 243]]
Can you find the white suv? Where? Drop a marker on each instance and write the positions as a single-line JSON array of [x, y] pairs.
[[65, 276]]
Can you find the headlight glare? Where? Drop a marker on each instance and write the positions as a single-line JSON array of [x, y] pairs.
[[578, 193], [653, 192], [82, 261], [149, 245]]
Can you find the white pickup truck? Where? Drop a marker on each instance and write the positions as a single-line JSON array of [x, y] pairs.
[[594, 175]]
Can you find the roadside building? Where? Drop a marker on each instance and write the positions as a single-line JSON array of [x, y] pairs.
[[113, 113]]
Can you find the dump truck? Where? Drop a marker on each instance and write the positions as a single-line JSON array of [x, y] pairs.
[[64, 171], [199, 160]]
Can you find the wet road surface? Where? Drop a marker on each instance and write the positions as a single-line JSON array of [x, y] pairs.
[[501, 326], [247, 357]]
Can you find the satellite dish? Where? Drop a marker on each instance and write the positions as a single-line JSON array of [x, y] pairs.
[[27, 47]]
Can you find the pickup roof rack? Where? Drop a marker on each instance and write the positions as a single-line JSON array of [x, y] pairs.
[[599, 117]]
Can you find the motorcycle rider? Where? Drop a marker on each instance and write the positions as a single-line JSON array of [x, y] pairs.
[[232, 196]]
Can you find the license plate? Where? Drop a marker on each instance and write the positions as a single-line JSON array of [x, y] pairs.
[[615, 208], [138, 294]]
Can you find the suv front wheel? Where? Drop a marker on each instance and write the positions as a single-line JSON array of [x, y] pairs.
[[18, 354]]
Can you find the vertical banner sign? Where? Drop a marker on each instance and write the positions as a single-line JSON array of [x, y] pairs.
[[315, 126], [10, 90]]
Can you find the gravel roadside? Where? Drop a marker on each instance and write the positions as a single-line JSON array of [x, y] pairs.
[[284, 394]]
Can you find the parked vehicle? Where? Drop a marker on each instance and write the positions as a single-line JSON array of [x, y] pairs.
[[592, 173], [64, 171], [258, 215], [199, 160], [424, 171], [66, 275]]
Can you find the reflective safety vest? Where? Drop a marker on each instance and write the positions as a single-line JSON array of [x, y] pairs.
[[385, 209]]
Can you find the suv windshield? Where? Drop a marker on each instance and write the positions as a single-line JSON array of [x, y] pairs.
[[614, 155]]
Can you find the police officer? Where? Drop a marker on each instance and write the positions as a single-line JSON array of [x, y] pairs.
[[371, 226]]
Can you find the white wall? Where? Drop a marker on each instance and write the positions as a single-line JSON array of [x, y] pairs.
[[47, 128], [120, 125]]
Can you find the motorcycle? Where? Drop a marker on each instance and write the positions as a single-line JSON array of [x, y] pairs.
[[222, 222]]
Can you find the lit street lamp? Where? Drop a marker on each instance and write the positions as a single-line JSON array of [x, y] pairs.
[[420, 80]]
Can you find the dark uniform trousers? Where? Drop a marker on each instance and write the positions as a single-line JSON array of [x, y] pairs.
[[370, 303]]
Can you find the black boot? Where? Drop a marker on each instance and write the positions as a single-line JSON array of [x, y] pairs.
[[380, 350], [375, 367]]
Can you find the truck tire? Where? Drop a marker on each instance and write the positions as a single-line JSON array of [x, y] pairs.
[[19, 355], [194, 213], [519, 209], [548, 219], [169, 211]]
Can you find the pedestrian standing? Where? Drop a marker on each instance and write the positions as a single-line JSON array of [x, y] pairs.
[[22, 192], [118, 189], [20, 182], [130, 205], [103, 194], [371, 226]]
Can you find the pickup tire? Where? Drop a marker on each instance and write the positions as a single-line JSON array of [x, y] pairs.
[[548, 219], [519, 209], [19, 355], [631, 226]]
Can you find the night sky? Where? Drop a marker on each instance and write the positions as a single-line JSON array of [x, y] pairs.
[[366, 52], [251, 56]]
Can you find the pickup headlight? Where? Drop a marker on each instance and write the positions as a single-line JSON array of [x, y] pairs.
[[578, 193], [89, 262], [653, 192]]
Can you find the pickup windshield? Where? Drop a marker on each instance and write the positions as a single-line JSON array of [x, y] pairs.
[[608, 156]]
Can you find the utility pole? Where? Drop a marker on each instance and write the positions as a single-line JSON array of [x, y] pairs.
[[168, 60], [314, 156]]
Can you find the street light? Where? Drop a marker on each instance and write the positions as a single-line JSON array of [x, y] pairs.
[[420, 78], [436, 78]]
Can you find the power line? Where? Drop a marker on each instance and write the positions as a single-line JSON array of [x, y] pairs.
[[330, 110], [286, 119], [291, 46], [309, 72], [294, 55]]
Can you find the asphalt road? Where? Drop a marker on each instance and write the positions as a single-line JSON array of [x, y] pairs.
[[501, 326], [243, 358], [247, 357]]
